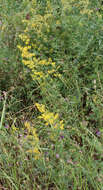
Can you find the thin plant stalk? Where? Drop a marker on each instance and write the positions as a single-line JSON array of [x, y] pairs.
[[3, 112]]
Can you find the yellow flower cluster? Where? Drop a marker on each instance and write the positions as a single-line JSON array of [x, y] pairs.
[[49, 117], [14, 129], [33, 140], [35, 49], [41, 69]]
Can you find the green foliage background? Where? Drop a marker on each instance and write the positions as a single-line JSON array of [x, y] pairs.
[[71, 34]]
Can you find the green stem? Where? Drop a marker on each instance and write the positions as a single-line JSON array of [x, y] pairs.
[[3, 112]]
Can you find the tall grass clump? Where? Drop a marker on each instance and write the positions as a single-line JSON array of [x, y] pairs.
[[51, 72]]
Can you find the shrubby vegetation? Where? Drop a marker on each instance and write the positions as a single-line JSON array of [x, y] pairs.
[[51, 95]]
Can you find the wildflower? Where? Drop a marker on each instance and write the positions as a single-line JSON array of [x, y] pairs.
[[35, 150], [6, 126], [98, 133], [61, 137], [14, 128], [40, 107], [49, 117], [20, 135], [57, 155], [97, 9], [46, 153], [27, 125], [33, 140]]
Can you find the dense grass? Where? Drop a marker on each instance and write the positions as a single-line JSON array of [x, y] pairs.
[[51, 95]]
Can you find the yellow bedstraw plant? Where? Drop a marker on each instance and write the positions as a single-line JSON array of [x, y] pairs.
[[33, 45], [41, 69], [33, 48], [49, 117], [33, 140]]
